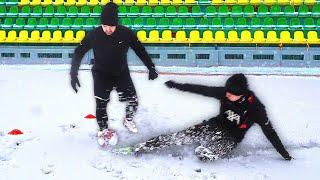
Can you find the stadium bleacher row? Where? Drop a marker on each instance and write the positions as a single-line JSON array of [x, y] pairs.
[[165, 21]]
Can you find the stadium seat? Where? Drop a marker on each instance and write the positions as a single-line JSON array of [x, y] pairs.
[[263, 10], [236, 11], [303, 11], [284, 2], [282, 23], [129, 2], [285, 37], [242, 23], [142, 36], [298, 37], [151, 23], [309, 23], [171, 11], [49, 11], [126, 22], [297, 2], [46, 2], [217, 2], [133, 11], [3, 11], [190, 2], [196, 11], [141, 2], [138, 22], [122, 11], [295, 23], [61, 11], [269, 2], [258, 37], [177, 2], [316, 10], [223, 11], [216, 23], [20, 23], [36, 11], [72, 11], [34, 37], [43, 23], [183, 11], [289, 11], [153, 2], [272, 37], [93, 3], [12, 2], [245, 37], [166, 36], [96, 11], [230, 2], [204, 22], [77, 23], [2, 36], [190, 23], [311, 39], [68, 37], [228, 23], [118, 2], [164, 23], [70, 2], [12, 37], [146, 11], [220, 37], [177, 23], [35, 2], [23, 2], [79, 36], [25, 11], [275, 10], [194, 36], [66, 23], [243, 2], [8, 23], [57, 2], [255, 2], [154, 36], [207, 37], [23, 37], [56, 37], [31, 24], [211, 11], [54, 23], [268, 22], [104, 2], [13, 11], [233, 37], [165, 2], [181, 37]]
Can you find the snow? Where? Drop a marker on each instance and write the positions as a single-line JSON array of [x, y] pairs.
[[59, 143]]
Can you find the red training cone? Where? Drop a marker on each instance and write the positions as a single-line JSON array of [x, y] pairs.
[[15, 132], [90, 116]]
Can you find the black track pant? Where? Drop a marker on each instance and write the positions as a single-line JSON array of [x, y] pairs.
[[104, 83], [214, 143]]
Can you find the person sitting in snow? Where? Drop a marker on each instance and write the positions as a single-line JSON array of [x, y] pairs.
[[218, 136]]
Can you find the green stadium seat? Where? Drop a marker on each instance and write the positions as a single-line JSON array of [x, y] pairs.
[[77, 23], [49, 11], [54, 23], [255, 22], [66, 23], [316, 10], [158, 11], [236, 11], [275, 10], [126, 22], [223, 11], [171, 11], [3, 11], [90, 23], [196, 11], [228, 23], [318, 24], [282, 23], [146, 11], [216, 22], [309, 23], [20, 23], [36, 11], [204, 23], [295, 23], [138, 22], [289, 11], [211, 11], [303, 11], [2, 2], [25, 11], [31, 24], [72, 11], [122, 11], [44, 23], [242, 23], [13, 11], [268, 22], [248, 11], [61, 11], [84, 11], [263, 10], [96, 11], [183, 11], [164, 23], [151, 23], [133, 11], [8, 23], [190, 22], [177, 22]]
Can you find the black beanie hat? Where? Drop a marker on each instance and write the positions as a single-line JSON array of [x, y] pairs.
[[109, 14], [237, 84]]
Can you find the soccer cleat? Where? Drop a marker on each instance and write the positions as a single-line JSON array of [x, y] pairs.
[[130, 125], [107, 137]]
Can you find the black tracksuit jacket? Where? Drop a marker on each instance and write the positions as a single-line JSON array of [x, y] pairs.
[[237, 117]]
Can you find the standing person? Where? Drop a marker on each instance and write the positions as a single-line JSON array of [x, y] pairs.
[[110, 43], [218, 136]]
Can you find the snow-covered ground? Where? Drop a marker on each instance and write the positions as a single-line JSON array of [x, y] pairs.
[[59, 143]]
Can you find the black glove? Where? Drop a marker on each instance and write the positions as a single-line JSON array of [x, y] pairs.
[[74, 82], [170, 84], [153, 74], [287, 157]]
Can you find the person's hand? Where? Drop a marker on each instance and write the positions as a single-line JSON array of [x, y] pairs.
[[288, 158], [170, 84], [153, 74], [75, 82]]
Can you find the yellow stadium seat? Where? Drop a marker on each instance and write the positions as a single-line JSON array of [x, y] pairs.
[[258, 37], [45, 37], [230, 2], [296, 2], [207, 37], [12, 37], [165, 2], [93, 2], [255, 2], [269, 2], [153, 2], [68, 37], [81, 2], [285, 37], [154, 36], [2, 36], [119, 2], [243, 2], [23, 36], [128, 2], [166, 36], [57, 37], [312, 37], [58, 2], [104, 2], [272, 37], [298, 37], [46, 2], [309, 2], [141, 2], [35, 37], [142, 36], [181, 37], [217, 2], [194, 36], [283, 2], [190, 2], [24, 2], [79, 36], [177, 2], [70, 2], [220, 37], [35, 2], [233, 37], [246, 37]]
